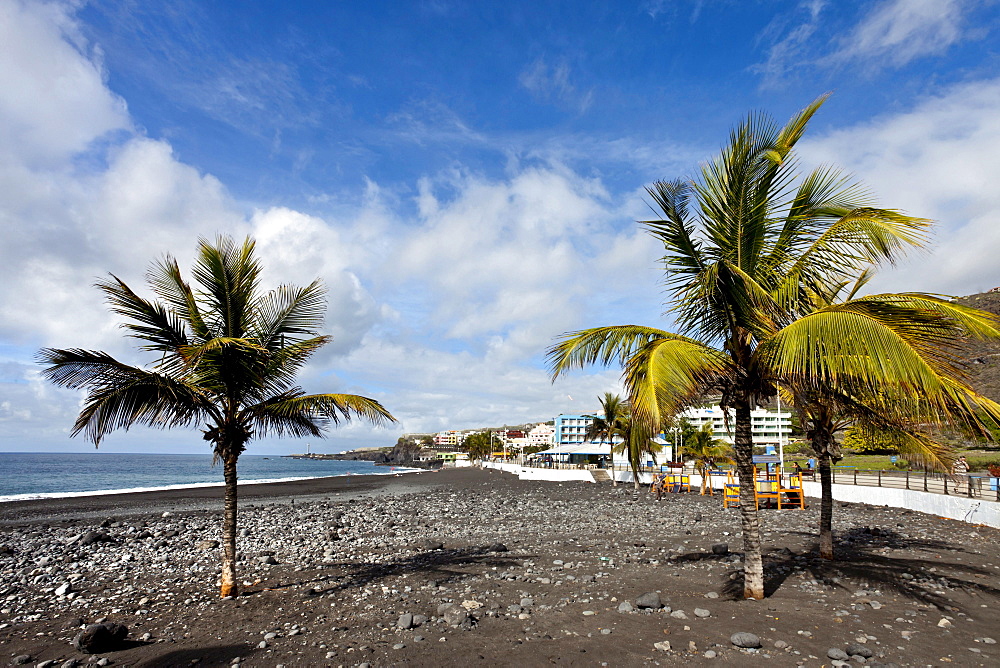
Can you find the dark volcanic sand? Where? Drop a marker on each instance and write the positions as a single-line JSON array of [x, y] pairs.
[[354, 554]]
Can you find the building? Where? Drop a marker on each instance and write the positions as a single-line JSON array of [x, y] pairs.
[[768, 427], [570, 429], [448, 439], [542, 435]]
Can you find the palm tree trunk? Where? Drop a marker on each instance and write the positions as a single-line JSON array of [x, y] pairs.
[[826, 506], [635, 473], [229, 529], [753, 561]]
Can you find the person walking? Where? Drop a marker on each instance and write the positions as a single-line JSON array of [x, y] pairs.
[[960, 471]]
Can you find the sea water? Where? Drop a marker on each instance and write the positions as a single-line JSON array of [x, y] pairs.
[[26, 475]]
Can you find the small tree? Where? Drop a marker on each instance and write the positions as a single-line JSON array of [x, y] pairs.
[[228, 355], [479, 445]]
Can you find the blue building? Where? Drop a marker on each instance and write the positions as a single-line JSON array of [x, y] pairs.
[[570, 429]]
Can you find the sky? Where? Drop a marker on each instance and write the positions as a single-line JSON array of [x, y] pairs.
[[465, 177]]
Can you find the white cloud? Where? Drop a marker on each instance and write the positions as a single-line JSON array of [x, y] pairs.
[[938, 161], [900, 30], [891, 34], [56, 103], [444, 315]]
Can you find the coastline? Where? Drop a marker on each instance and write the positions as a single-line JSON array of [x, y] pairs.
[[206, 497]]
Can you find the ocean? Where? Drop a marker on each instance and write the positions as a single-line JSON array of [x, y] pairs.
[[25, 475]]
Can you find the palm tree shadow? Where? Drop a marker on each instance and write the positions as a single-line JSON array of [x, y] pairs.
[[858, 559], [439, 565]]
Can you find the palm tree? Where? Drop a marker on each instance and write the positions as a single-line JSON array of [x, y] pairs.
[[706, 449], [740, 267], [638, 444], [609, 427], [228, 355], [921, 334]]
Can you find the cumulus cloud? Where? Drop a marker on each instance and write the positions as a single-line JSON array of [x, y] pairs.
[[442, 314], [939, 161], [55, 103]]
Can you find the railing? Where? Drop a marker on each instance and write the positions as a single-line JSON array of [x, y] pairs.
[[972, 486]]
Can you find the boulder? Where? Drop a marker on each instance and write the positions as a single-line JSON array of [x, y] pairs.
[[745, 640], [100, 638], [649, 601]]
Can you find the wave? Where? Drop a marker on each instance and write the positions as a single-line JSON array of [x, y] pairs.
[[35, 496]]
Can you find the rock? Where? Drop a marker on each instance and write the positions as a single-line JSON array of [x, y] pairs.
[[678, 614], [986, 641], [62, 589], [745, 640], [625, 606], [432, 545], [875, 605], [649, 601], [20, 660], [399, 645], [92, 537], [497, 547], [945, 624], [710, 654], [268, 560], [837, 654], [663, 646], [99, 638], [455, 615], [206, 545], [780, 644], [702, 612], [858, 649], [405, 621], [720, 548], [527, 602]]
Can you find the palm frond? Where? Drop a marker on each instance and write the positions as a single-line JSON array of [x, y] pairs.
[[600, 345], [119, 395], [294, 413]]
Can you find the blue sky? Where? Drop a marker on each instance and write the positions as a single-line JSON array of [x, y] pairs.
[[465, 176]]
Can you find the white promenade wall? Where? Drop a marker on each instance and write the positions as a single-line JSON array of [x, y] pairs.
[[961, 508]]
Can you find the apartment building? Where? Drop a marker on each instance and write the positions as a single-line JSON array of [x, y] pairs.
[[768, 427]]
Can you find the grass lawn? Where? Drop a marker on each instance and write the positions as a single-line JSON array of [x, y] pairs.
[[978, 461]]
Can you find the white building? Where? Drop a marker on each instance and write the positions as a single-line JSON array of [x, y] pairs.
[[542, 434], [768, 427]]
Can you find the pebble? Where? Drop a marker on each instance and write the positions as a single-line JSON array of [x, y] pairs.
[[702, 612], [837, 654], [663, 646], [710, 654]]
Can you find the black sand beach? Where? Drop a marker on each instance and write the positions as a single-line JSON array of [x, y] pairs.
[[475, 567]]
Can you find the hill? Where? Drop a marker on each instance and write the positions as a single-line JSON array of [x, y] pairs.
[[983, 359]]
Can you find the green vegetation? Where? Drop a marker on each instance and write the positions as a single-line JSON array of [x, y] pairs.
[[228, 354]]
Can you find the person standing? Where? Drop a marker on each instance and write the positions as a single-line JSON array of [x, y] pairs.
[[960, 471]]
